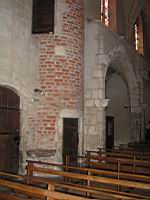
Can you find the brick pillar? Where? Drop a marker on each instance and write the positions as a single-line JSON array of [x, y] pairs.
[[60, 75]]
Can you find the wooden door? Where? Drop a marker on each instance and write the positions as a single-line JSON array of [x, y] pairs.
[[9, 130], [70, 139], [109, 132]]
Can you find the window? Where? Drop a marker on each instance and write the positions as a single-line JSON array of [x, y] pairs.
[[138, 30], [105, 12], [43, 16], [136, 36]]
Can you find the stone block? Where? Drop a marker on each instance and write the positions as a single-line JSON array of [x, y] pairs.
[[86, 130], [90, 110], [60, 51], [97, 73], [97, 103], [91, 119], [101, 93], [95, 94], [89, 103], [88, 94], [92, 130]]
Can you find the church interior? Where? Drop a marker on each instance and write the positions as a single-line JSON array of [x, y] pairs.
[[75, 99]]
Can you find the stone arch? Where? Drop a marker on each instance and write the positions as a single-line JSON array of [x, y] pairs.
[[118, 57], [11, 88], [13, 81]]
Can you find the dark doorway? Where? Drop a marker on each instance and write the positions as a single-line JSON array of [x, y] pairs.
[[147, 135], [9, 129], [109, 132], [70, 140]]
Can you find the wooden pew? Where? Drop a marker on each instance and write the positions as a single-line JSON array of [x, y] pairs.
[[113, 153], [126, 153], [4, 196], [118, 164], [85, 170], [115, 163], [26, 191], [91, 177], [104, 173], [137, 155], [124, 158]]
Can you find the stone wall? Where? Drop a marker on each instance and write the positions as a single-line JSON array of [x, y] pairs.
[[104, 48]]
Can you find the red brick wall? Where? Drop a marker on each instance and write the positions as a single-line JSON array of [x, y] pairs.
[[60, 77]]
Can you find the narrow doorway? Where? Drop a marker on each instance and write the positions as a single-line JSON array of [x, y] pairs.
[[9, 130], [70, 140], [109, 132]]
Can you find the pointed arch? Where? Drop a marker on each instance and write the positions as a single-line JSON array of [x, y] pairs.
[[118, 57]]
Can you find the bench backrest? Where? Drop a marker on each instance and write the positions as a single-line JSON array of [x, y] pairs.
[[122, 154], [33, 191], [90, 176]]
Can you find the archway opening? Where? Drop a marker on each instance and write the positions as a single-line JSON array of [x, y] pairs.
[[9, 129], [118, 110]]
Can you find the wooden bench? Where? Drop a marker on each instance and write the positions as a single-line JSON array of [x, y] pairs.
[[24, 191], [4, 196], [138, 155], [95, 183], [118, 164], [124, 153], [89, 170], [118, 156], [114, 163]]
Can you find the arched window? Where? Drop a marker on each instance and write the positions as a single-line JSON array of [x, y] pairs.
[[105, 12], [136, 36], [138, 30]]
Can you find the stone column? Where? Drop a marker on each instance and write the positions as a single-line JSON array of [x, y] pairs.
[[95, 102]]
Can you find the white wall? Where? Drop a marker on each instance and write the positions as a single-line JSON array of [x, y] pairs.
[[18, 57], [18, 52]]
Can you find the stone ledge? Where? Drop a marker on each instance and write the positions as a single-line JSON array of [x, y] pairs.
[[41, 152]]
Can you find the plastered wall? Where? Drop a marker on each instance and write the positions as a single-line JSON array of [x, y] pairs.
[[19, 52], [18, 56]]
